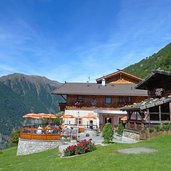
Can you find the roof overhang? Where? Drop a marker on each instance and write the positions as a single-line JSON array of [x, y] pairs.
[[116, 73], [156, 78], [147, 104], [116, 112]]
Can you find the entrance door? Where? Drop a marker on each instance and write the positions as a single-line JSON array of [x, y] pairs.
[[108, 120], [91, 124]]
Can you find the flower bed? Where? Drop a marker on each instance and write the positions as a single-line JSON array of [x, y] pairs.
[[82, 147]]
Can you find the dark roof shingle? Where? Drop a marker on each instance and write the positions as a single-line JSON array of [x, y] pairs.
[[98, 89]]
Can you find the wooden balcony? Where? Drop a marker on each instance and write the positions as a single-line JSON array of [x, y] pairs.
[[90, 108], [37, 134], [62, 106]]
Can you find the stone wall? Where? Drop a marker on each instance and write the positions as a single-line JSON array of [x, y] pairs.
[[34, 146], [133, 135]]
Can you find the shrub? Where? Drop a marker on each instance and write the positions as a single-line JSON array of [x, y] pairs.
[[14, 137], [121, 128], [151, 130], [166, 127], [87, 135], [82, 147], [157, 128], [107, 133]]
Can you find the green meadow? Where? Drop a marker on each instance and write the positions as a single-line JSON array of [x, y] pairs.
[[105, 158]]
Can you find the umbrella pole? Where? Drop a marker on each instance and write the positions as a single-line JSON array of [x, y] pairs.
[[77, 125]]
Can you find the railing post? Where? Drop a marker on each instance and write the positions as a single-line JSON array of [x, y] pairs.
[[135, 125], [31, 133]]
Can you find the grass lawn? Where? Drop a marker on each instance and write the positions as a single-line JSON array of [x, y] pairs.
[[104, 158]]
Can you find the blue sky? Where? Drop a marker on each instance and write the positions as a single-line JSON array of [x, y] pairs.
[[70, 40]]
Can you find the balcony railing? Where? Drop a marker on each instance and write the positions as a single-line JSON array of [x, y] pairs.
[[40, 134]]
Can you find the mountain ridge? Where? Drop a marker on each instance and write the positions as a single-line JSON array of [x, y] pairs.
[[160, 60], [21, 94]]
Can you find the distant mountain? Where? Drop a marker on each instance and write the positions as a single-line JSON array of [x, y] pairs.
[[21, 94], [160, 60]]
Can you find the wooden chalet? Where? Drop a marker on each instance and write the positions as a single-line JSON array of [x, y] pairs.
[[102, 99], [157, 108]]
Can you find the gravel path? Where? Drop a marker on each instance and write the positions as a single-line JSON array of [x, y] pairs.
[[137, 150]]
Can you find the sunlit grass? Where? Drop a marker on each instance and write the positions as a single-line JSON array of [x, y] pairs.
[[104, 158]]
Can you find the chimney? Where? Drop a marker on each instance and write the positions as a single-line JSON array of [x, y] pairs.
[[103, 82]]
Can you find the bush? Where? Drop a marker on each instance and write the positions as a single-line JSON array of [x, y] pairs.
[[108, 133], [121, 128], [158, 128], [14, 137], [166, 127], [151, 130], [82, 147]]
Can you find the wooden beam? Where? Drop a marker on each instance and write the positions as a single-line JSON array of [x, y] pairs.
[[148, 116], [160, 114], [170, 110], [63, 97]]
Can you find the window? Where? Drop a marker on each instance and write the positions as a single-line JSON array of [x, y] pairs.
[[136, 116], [93, 102], [108, 100], [121, 100], [79, 99], [130, 101], [78, 121]]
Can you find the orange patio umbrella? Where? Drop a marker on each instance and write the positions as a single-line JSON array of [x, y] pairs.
[[44, 115], [89, 117], [124, 118], [68, 116], [39, 116], [31, 115]]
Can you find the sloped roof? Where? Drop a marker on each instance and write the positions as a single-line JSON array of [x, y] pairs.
[[98, 89], [146, 104], [117, 73], [157, 78]]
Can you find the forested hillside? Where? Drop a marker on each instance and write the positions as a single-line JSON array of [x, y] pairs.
[[21, 94], [160, 60]]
